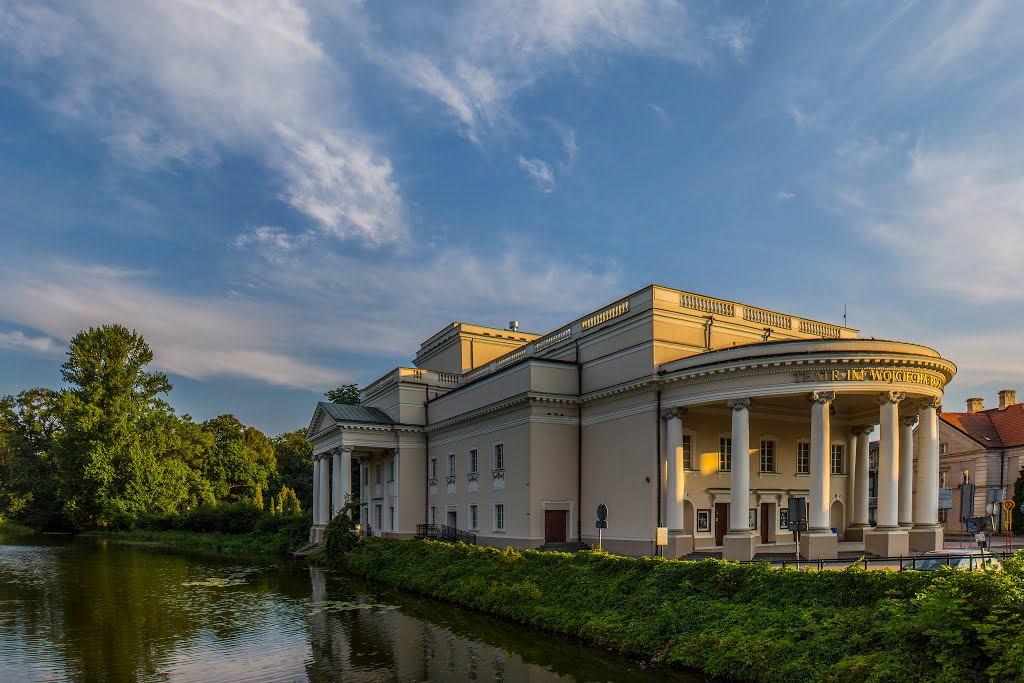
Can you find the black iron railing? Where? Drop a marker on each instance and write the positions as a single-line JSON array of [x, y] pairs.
[[443, 532]]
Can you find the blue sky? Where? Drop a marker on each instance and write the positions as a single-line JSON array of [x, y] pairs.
[[286, 196]]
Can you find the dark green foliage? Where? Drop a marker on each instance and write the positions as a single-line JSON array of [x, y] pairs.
[[109, 452], [340, 533], [744, 622], [346, 394]]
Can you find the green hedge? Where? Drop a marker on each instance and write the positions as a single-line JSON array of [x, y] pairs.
[[744, 622]]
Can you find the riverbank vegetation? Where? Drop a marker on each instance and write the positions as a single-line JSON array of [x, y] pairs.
[[107, 451], [744, 622]]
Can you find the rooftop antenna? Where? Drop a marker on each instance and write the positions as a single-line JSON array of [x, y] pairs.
[[844, 315]]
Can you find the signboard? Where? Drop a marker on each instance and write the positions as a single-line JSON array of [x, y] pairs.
[[662, 538], [602, 516], [946, 499]]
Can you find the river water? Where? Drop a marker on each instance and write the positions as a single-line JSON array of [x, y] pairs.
[[95, 610]]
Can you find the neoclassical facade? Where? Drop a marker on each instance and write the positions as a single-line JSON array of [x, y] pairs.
[[676, 410]]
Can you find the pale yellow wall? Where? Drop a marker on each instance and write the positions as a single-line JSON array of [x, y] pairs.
[[552, 467], [412, 475], [538, 376]]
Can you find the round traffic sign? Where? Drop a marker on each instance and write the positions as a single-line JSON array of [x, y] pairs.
[[1008, 504], [602, 512]]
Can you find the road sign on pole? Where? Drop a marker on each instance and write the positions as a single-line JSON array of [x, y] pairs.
[[602, 524]]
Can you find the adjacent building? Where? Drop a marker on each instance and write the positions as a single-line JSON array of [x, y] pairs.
[[676, 410], [984, 448]]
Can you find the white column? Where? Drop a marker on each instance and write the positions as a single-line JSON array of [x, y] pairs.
[[906, 485], [675, 518], [385, 497], [927, 508], [888, 461], [346, 476], [337, 499], [862, 464], [324, 506], [821, 469], [395, 498], [316, 490], [739, 519]]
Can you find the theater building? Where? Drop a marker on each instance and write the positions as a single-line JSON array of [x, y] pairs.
[[676, 410]]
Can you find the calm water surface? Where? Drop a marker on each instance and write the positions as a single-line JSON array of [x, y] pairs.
[[92, 610]]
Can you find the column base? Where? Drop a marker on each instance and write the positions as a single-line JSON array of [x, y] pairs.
[[855, 532], [819, 545], [679, 544], [887, 542], [926, 539], [738, 547], [316, 533]]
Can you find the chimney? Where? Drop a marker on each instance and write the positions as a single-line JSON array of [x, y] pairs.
[[513, 325], [975, 405], [1007, 397]]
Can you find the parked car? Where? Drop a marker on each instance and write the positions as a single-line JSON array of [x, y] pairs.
[[967, 563]]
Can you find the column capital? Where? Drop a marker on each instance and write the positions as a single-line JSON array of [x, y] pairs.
[[930, 402], [671, 413], [889, 397], [822, 396], [862, 430], [347, 449], [908, 420], [739, 404]]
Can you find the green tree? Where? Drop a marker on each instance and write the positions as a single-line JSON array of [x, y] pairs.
[[99, 453], [242, 464], [347, 394], [28, 474], [295, 464]]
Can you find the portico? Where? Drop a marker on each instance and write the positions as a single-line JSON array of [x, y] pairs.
[[826, 398]]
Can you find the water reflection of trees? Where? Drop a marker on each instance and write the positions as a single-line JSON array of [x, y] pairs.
[[427, 640]]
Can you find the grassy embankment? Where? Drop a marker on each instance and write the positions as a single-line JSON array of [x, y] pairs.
[[13, 529], [234, 528], [744, 622]]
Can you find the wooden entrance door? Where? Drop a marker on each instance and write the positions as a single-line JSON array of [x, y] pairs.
[[766, 519], [554, 526], [721, 522]]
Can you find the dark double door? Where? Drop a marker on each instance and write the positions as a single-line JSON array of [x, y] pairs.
[[555, 526], [721, 522]]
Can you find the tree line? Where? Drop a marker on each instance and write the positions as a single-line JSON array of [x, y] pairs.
[[107, 449]]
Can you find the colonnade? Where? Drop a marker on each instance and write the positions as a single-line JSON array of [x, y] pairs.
[[904, 521], [332, 483]]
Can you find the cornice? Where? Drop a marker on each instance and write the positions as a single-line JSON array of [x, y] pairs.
[[525, 399]]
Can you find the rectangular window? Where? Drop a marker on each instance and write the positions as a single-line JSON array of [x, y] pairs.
[[767, 455], [473, 517], [942, 449], [433, 514], [838, 466], [376, 473], [803, 458], [474, 461], [433, 468], [943, 516], [391, 518], [499, 517], [391, 470], [451, 464], [687, 452], [379, 513], [943, 479], [499, 456], [965, 476], [725, 454]]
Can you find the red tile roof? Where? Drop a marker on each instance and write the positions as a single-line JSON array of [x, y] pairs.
[[993, 428]]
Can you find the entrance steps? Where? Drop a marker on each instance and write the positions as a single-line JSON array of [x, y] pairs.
[[305, 550]]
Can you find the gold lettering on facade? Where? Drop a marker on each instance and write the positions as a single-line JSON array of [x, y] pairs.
[[887, 375]]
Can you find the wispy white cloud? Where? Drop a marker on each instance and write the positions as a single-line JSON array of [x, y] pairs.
[[783, 196], [166, 84], [19, 341], [539, 172], [952, 217], [482, 54]]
